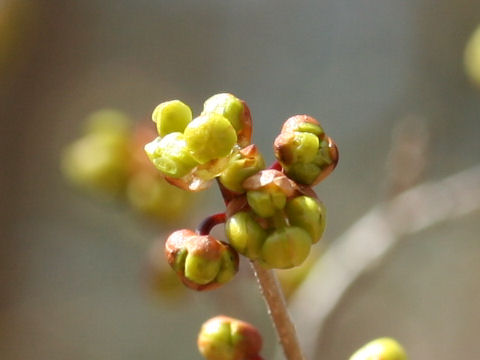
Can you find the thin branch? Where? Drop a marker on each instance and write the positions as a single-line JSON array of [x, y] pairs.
[[371, 238], [210, 222], [277, 309]]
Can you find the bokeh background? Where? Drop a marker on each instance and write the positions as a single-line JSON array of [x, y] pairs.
[[71, 265]]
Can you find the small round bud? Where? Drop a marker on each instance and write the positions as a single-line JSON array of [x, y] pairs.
[[210, 136], [225, 338], [245, 234], [235, 110], [98, 162], [201, 261], [286, 247], [308, 214], [303, 150], [266, 202], [171, 116], [242, 164], [383, 348], [170, 155]]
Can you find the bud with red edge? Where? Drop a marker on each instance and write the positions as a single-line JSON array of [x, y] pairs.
[[201, 261], [306, 154], [225, 338]]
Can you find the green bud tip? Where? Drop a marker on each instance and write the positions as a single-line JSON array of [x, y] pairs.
[[210, 136], [171, 116], [170, 155], [244, 163], [286, 248], [266, 202], [234, 110], [245, 234], [308, 214]]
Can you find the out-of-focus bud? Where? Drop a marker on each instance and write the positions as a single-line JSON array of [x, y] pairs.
[[304, 151], [242, 164], [209, 137], [307, 213], [170, 155], [108, 121], [152, 195], [225, 338], [236, 111], [286, 248], [97, 162], [201, 261], [245, 234], [171, 116], [472, 57], [381, 349]]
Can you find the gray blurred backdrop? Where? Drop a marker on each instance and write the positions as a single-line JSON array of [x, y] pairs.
[[70, 266]]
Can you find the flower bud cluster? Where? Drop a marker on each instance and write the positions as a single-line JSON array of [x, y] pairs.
[[273, 216], [225, 338], [278, 223], [191, 152]]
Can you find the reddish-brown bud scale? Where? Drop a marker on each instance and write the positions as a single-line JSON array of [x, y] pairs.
[[306, 154], [201, 261], [294, 123], [244, 136], [271, 179]]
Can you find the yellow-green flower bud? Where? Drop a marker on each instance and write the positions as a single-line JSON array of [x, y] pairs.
[[235, 110], [242, 164], [210, 136], [200, 269], [383, 348], [201, 261], [171, 116], [266, 203], [225, 338], [98, 162], [227, 105], [245, 234], [286, 247], [170, 155], [307, 213]]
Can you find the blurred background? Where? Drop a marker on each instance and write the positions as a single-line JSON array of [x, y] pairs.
[[71, 264]]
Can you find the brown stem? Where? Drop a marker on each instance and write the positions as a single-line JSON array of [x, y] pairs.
[[277, 309], [210, 222]]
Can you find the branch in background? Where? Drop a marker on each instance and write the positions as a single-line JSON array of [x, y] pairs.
[[408, 154], [370, 239]]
